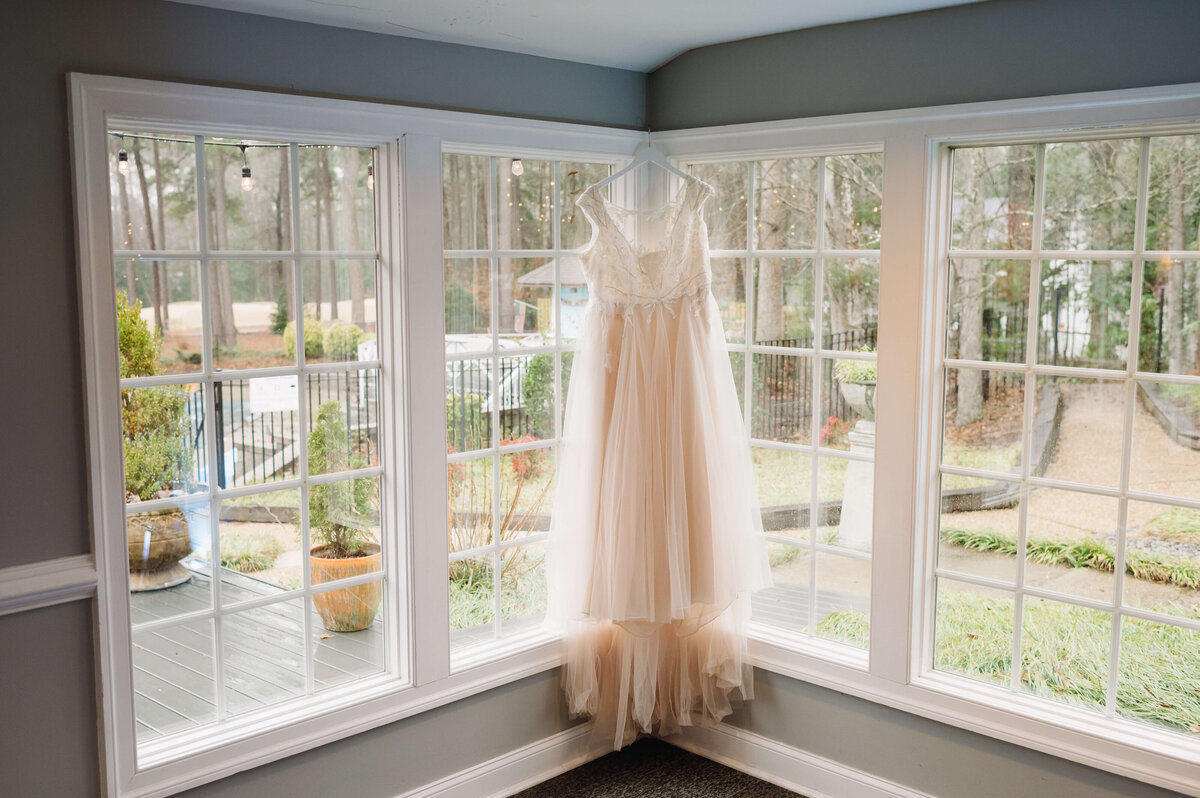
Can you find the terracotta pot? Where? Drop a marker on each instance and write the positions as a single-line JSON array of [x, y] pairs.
[[157, 542], [349, 609]]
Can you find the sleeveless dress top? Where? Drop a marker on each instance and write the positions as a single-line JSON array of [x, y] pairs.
[[654, 546]]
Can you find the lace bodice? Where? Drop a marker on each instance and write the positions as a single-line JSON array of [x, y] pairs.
[[673, 265]]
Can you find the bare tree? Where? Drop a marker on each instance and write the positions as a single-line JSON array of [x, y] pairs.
[[156, 277], [325, 185], [126, 231], [772, 218], [358, 313], [220, 285], [162, 237], [507, 210], [974, 166]]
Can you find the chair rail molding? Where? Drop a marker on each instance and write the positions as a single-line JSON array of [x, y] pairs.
[[46, 583]]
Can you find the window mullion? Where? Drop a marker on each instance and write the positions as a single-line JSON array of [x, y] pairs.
[[817, 366]]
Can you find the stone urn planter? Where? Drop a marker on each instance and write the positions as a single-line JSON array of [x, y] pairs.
[[349, 609], [861, 398], [157, 542]]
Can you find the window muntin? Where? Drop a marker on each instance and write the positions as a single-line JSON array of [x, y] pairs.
[[514, 302], [796, 278], [240, 446], [1067, 520]]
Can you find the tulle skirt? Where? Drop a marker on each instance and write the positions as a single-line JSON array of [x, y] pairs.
[[654, 548]]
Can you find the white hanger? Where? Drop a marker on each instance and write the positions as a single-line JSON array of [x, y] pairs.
[[647, 154]]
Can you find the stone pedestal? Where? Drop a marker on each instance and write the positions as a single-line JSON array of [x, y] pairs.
[[858, 501]]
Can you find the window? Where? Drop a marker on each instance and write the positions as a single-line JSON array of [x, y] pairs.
[[251, 413], [1069, 524], [515, 296], [795, 258]]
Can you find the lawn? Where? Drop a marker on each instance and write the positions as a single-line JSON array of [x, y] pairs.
[[785, 478]]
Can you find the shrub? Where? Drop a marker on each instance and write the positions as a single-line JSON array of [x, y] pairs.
[[341, 341], [339, 513], [314, 338], [248, 552], [137, 344], [538, 391], [855, 370], [151, 463], [279, 318], [466, 425]]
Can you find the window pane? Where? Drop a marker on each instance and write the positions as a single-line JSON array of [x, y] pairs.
[[260, 545], [341, 657], [1091, 190], [158, 305], [983, 414], [251, 317], [729, 289], [851, 304], [525, 205], [524, 298], [1084, 313], [470, 488], [1170, 333], [850, 422], [337, 202], [468, 408], [784, 605], [725, 213], [973, 633], [343, 525], [576, 231], [847, 493], [340, 308], [526, 492], [468, 305], [465, 201], [1070, 542], [163, 439], [844, 599], [1079, 427], [173, 680], [853, 200], [1064, 652], [1162, 559], [343, 420], [472, 602], [263, 652], [977, 527], [154, 202], [1159, 677], [784, 481], [258, 423], [255, 218], [1166, 444], [516, 422], [170, 563], [783, 302], [1171, 215], [785, 208], [523, 587], [782, 406], [987, 317], [993, 197]]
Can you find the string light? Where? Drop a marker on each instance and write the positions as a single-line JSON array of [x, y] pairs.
[[247, 180], [123, 159], [371, 176], [518, 168]]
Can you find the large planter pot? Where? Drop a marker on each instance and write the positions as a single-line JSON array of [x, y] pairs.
[[157, 542], [861, 398], [349, 609]]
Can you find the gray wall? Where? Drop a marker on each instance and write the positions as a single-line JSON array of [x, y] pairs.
[[987, 51]]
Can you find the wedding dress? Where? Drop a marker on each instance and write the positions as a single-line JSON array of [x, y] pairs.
[[653, 547]]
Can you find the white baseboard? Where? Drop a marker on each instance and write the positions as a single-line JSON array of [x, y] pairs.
[[517, 770], [811, 776]]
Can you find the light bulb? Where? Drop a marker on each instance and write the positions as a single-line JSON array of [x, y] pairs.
[[247, 180], [371, 176], [518, 168], [123, 162]]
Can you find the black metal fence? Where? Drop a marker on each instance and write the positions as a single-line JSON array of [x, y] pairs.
[[256, 446], [468, 405]]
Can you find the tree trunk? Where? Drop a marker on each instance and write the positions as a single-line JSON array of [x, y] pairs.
[[326, 183], [969, 405], [220, 285], [127, 235], [507, 212], [156, 283], [283, 223], [1175, 277], [358, 313], [768, 296], [319, 272], [162, 238]]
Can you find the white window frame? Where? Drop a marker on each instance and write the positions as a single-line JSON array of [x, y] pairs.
[[916, 195], [408, 209]]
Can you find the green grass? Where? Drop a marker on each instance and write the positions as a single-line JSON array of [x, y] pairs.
[[785, 478], [988, 458], [522, 589], [248, 552], [1081, 553], [1177, 523], [1064, 654]]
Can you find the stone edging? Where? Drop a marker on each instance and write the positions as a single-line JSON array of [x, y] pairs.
[[1177, 425]]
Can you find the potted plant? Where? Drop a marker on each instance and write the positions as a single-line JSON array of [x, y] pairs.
[[154, 427], [341, 523], [856, 379]]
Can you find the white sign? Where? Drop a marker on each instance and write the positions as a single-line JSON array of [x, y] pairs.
[[274, 394]]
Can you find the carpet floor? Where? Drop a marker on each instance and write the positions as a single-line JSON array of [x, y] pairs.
[[653, 769]]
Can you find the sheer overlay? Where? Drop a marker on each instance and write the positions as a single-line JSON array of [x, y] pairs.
[[653, 551]]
